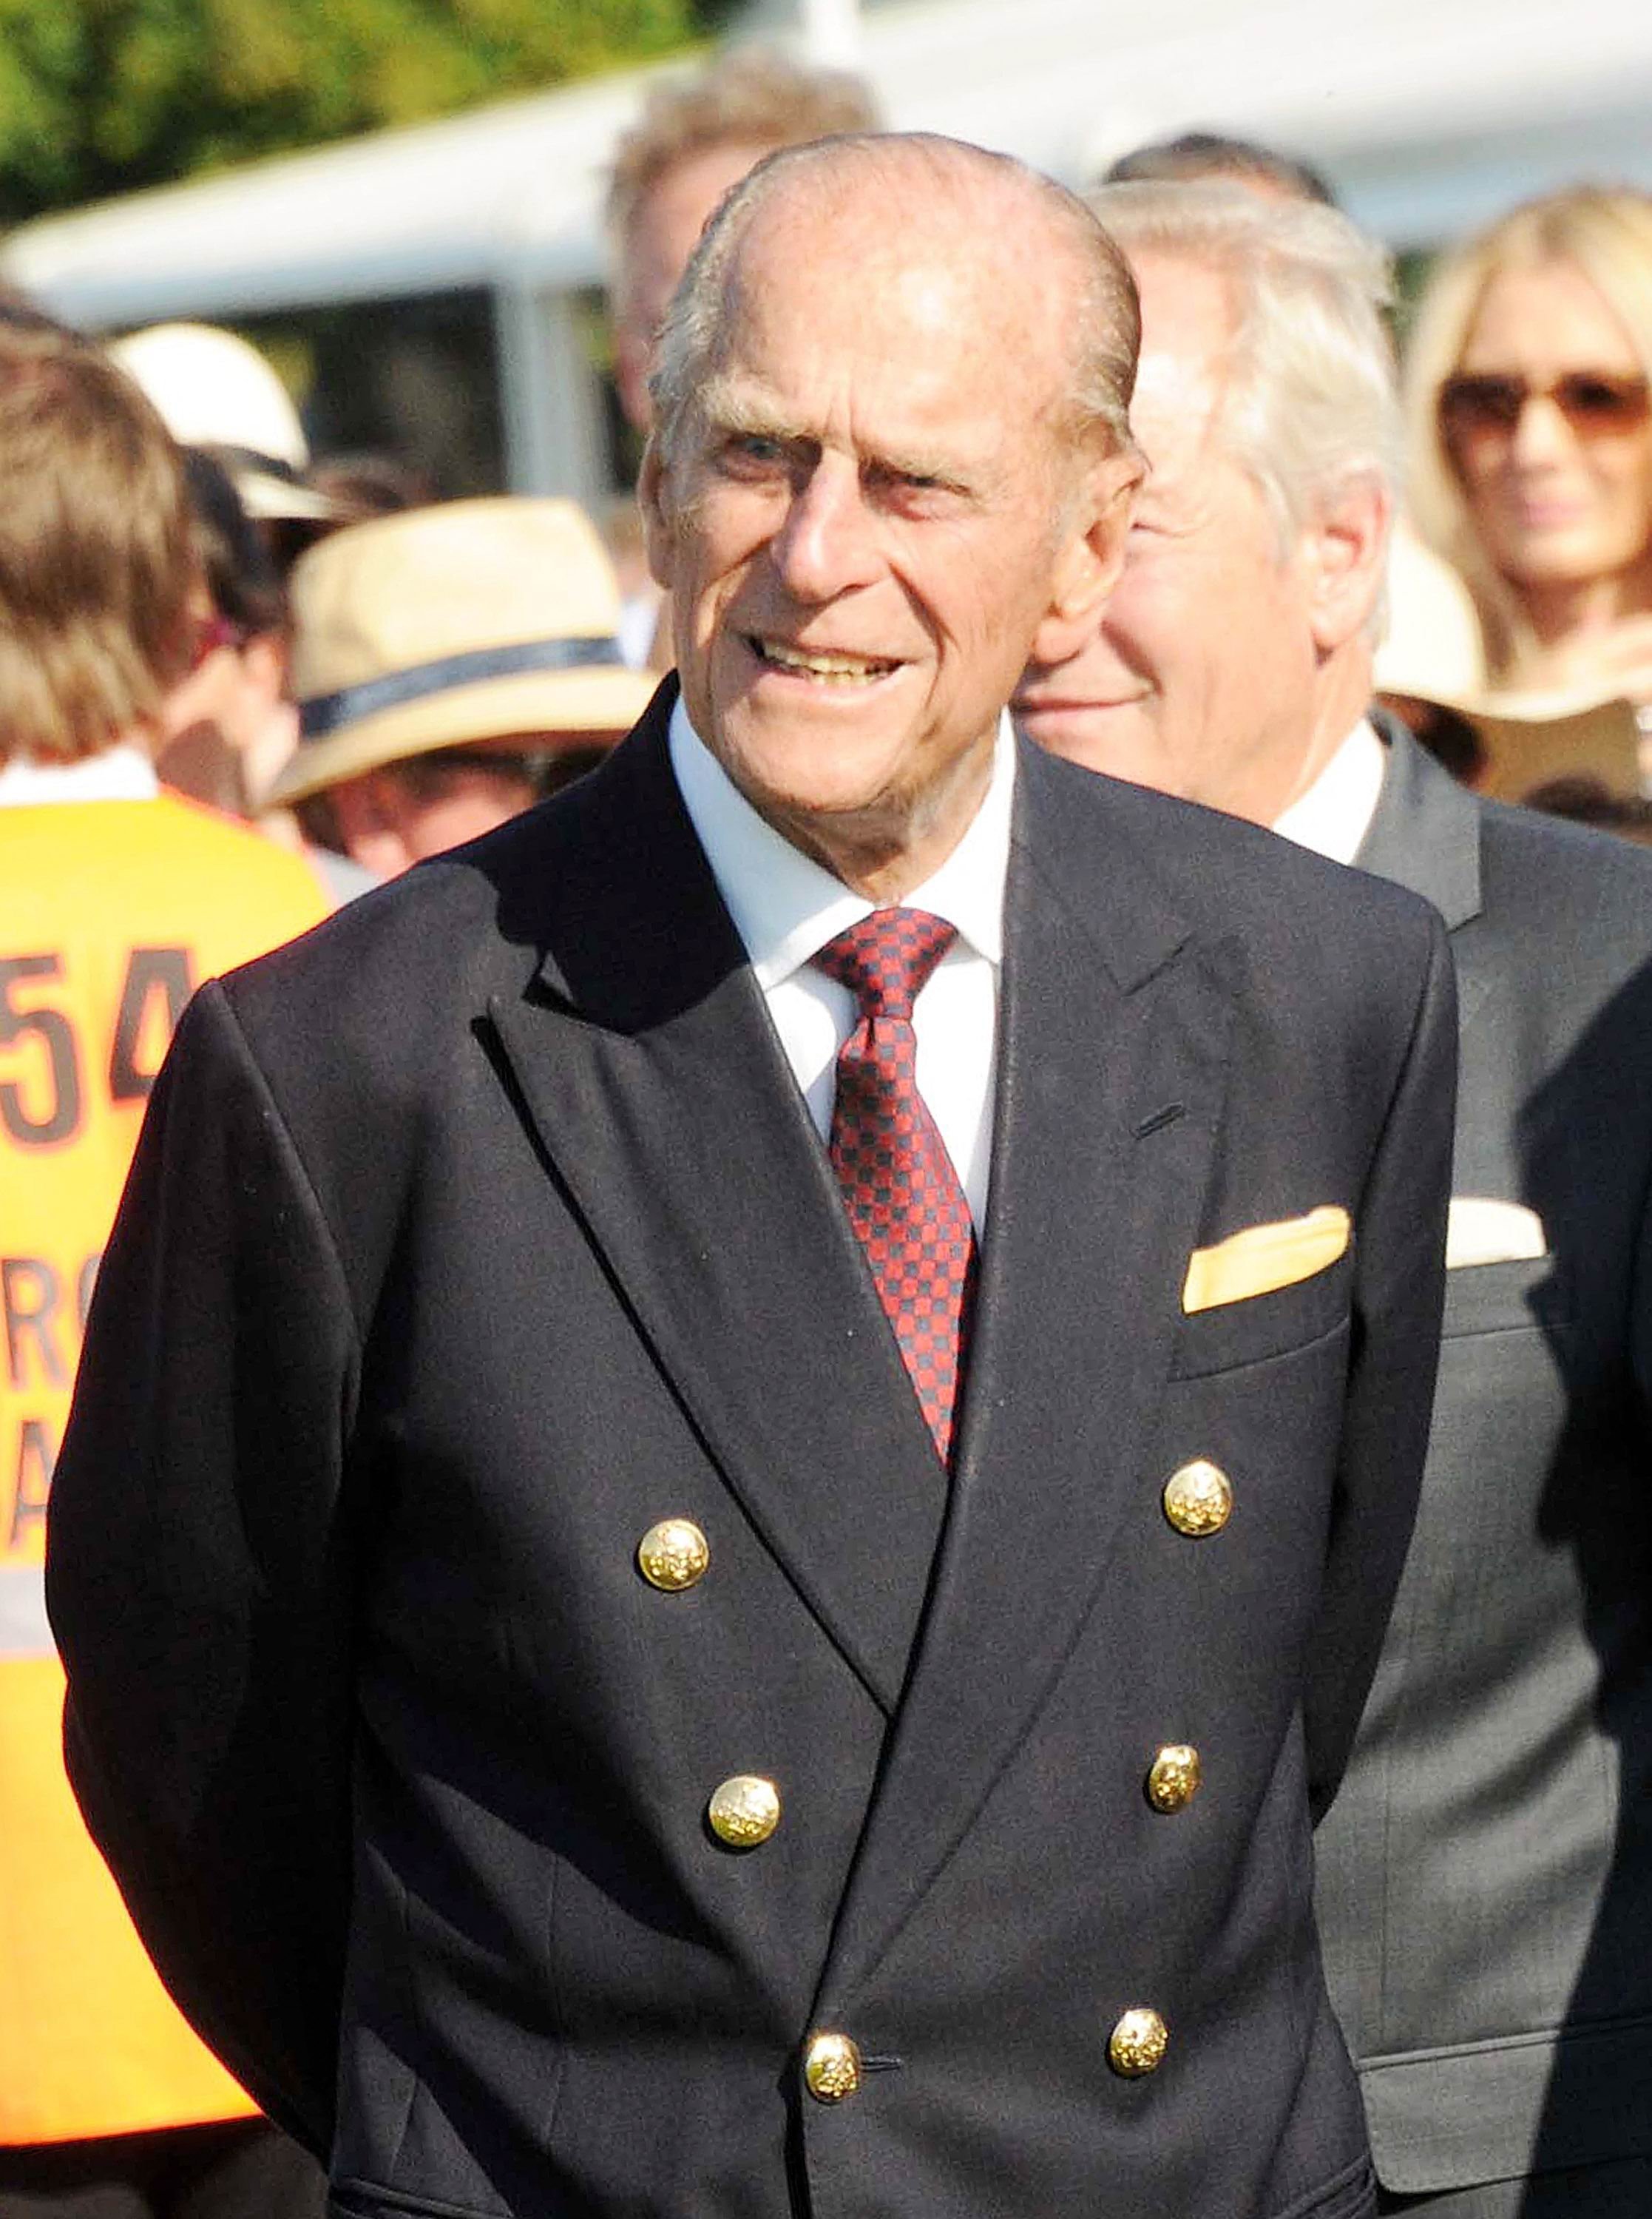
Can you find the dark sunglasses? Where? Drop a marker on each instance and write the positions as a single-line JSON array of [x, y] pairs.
[[1596, 403]]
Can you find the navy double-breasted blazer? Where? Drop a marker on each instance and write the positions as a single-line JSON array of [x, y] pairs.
[[477, 1232]]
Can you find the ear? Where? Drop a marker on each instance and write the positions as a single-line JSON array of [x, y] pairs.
[[654, 498], [1088, 565], [1345, 554]]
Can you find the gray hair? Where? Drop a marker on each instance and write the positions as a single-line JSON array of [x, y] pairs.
[[1311, 399], [1106, 321]]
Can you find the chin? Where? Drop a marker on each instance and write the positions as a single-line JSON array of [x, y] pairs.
[[858, 806], [1565, 557], [794, 761], [1097, 735]]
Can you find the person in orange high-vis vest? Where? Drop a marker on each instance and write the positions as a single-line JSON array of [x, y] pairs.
[[116, 902]]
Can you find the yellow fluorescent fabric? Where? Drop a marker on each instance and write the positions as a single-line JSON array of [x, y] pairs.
[[88, 2035], [110, 913], [1264, 1257]]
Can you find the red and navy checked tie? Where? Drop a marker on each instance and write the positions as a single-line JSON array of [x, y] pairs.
[[902, 1193]]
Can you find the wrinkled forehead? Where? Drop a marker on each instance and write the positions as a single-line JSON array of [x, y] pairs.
[[865, 283], [1187, 339], [889, 255]]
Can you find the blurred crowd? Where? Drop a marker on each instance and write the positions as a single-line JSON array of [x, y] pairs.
[[292, 676], [1518, 635]]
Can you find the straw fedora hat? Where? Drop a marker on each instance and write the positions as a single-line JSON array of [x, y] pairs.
[[472, 620], [1529, 740]]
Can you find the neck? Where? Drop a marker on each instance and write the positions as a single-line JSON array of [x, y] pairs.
[[1341, 695], [1559, 624], [883, 852]]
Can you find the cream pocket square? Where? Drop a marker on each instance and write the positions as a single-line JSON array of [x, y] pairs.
[[1264, 1258], [1480, 1230]]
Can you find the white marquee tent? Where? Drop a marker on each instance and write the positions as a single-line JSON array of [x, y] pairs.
[[1429, 115]]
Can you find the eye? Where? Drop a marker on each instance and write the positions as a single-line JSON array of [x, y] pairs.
[[918, 491], [756, 450]]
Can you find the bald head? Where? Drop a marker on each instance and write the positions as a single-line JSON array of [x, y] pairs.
[[985, 235]]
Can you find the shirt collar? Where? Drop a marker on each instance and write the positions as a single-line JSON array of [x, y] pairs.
[[786, 906], [1334, 815], [119, 774]]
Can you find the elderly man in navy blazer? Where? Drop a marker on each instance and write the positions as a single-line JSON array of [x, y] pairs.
[[1485, 1882], [744, 1450]]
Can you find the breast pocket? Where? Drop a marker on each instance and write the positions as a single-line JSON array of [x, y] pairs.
[[1263, 1326]]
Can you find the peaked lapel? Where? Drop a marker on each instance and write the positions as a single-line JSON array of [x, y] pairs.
[[1425, 835], [1113, 1071], [650, 1071], [1425, 831]]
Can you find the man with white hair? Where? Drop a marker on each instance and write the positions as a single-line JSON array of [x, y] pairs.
[[1485, 1880], [742, 1455]]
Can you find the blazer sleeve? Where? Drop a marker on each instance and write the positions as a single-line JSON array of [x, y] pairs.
[[1399, 1295], [199, 1573]]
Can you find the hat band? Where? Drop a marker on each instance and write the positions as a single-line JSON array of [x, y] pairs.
[[327, 712], [255, 460]]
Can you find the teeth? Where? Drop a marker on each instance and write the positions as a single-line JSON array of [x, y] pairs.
[[853, 669]]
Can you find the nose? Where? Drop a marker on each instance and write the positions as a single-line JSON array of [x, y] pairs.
[[827, 544], [1541, 432]]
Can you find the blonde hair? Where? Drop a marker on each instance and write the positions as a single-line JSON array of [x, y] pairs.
[[97, 562], [1606, 234]]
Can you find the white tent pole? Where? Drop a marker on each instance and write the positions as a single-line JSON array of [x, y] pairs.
[[831, 32]]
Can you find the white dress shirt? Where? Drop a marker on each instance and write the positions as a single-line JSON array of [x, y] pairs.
[[785, 907], [1334, 815]]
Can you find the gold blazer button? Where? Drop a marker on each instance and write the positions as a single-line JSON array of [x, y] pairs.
[[1198, 1498], [1173, 1779], [744, 1812], [1137, 2044], [831, 2067], [674, 1555]]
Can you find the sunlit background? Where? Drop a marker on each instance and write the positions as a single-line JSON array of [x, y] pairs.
[[434, 288]]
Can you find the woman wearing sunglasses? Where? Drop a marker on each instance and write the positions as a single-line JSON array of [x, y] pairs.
[[1532, 439]]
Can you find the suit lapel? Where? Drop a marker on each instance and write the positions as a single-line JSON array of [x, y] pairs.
[[649, 1068], [1426, 835], [1112, 1074]]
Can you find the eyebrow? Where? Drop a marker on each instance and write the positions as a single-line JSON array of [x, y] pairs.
[[725, 406], [730, 409]]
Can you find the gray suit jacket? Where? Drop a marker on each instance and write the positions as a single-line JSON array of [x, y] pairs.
[[1485, 1881]]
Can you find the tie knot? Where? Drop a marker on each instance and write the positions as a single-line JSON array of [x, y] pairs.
[[885, 960]]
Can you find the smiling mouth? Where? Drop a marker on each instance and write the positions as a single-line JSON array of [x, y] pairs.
[[1039, 704], [830, 669], [1546, 515]]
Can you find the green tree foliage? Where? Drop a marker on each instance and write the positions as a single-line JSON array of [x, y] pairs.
[[99, 97]]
